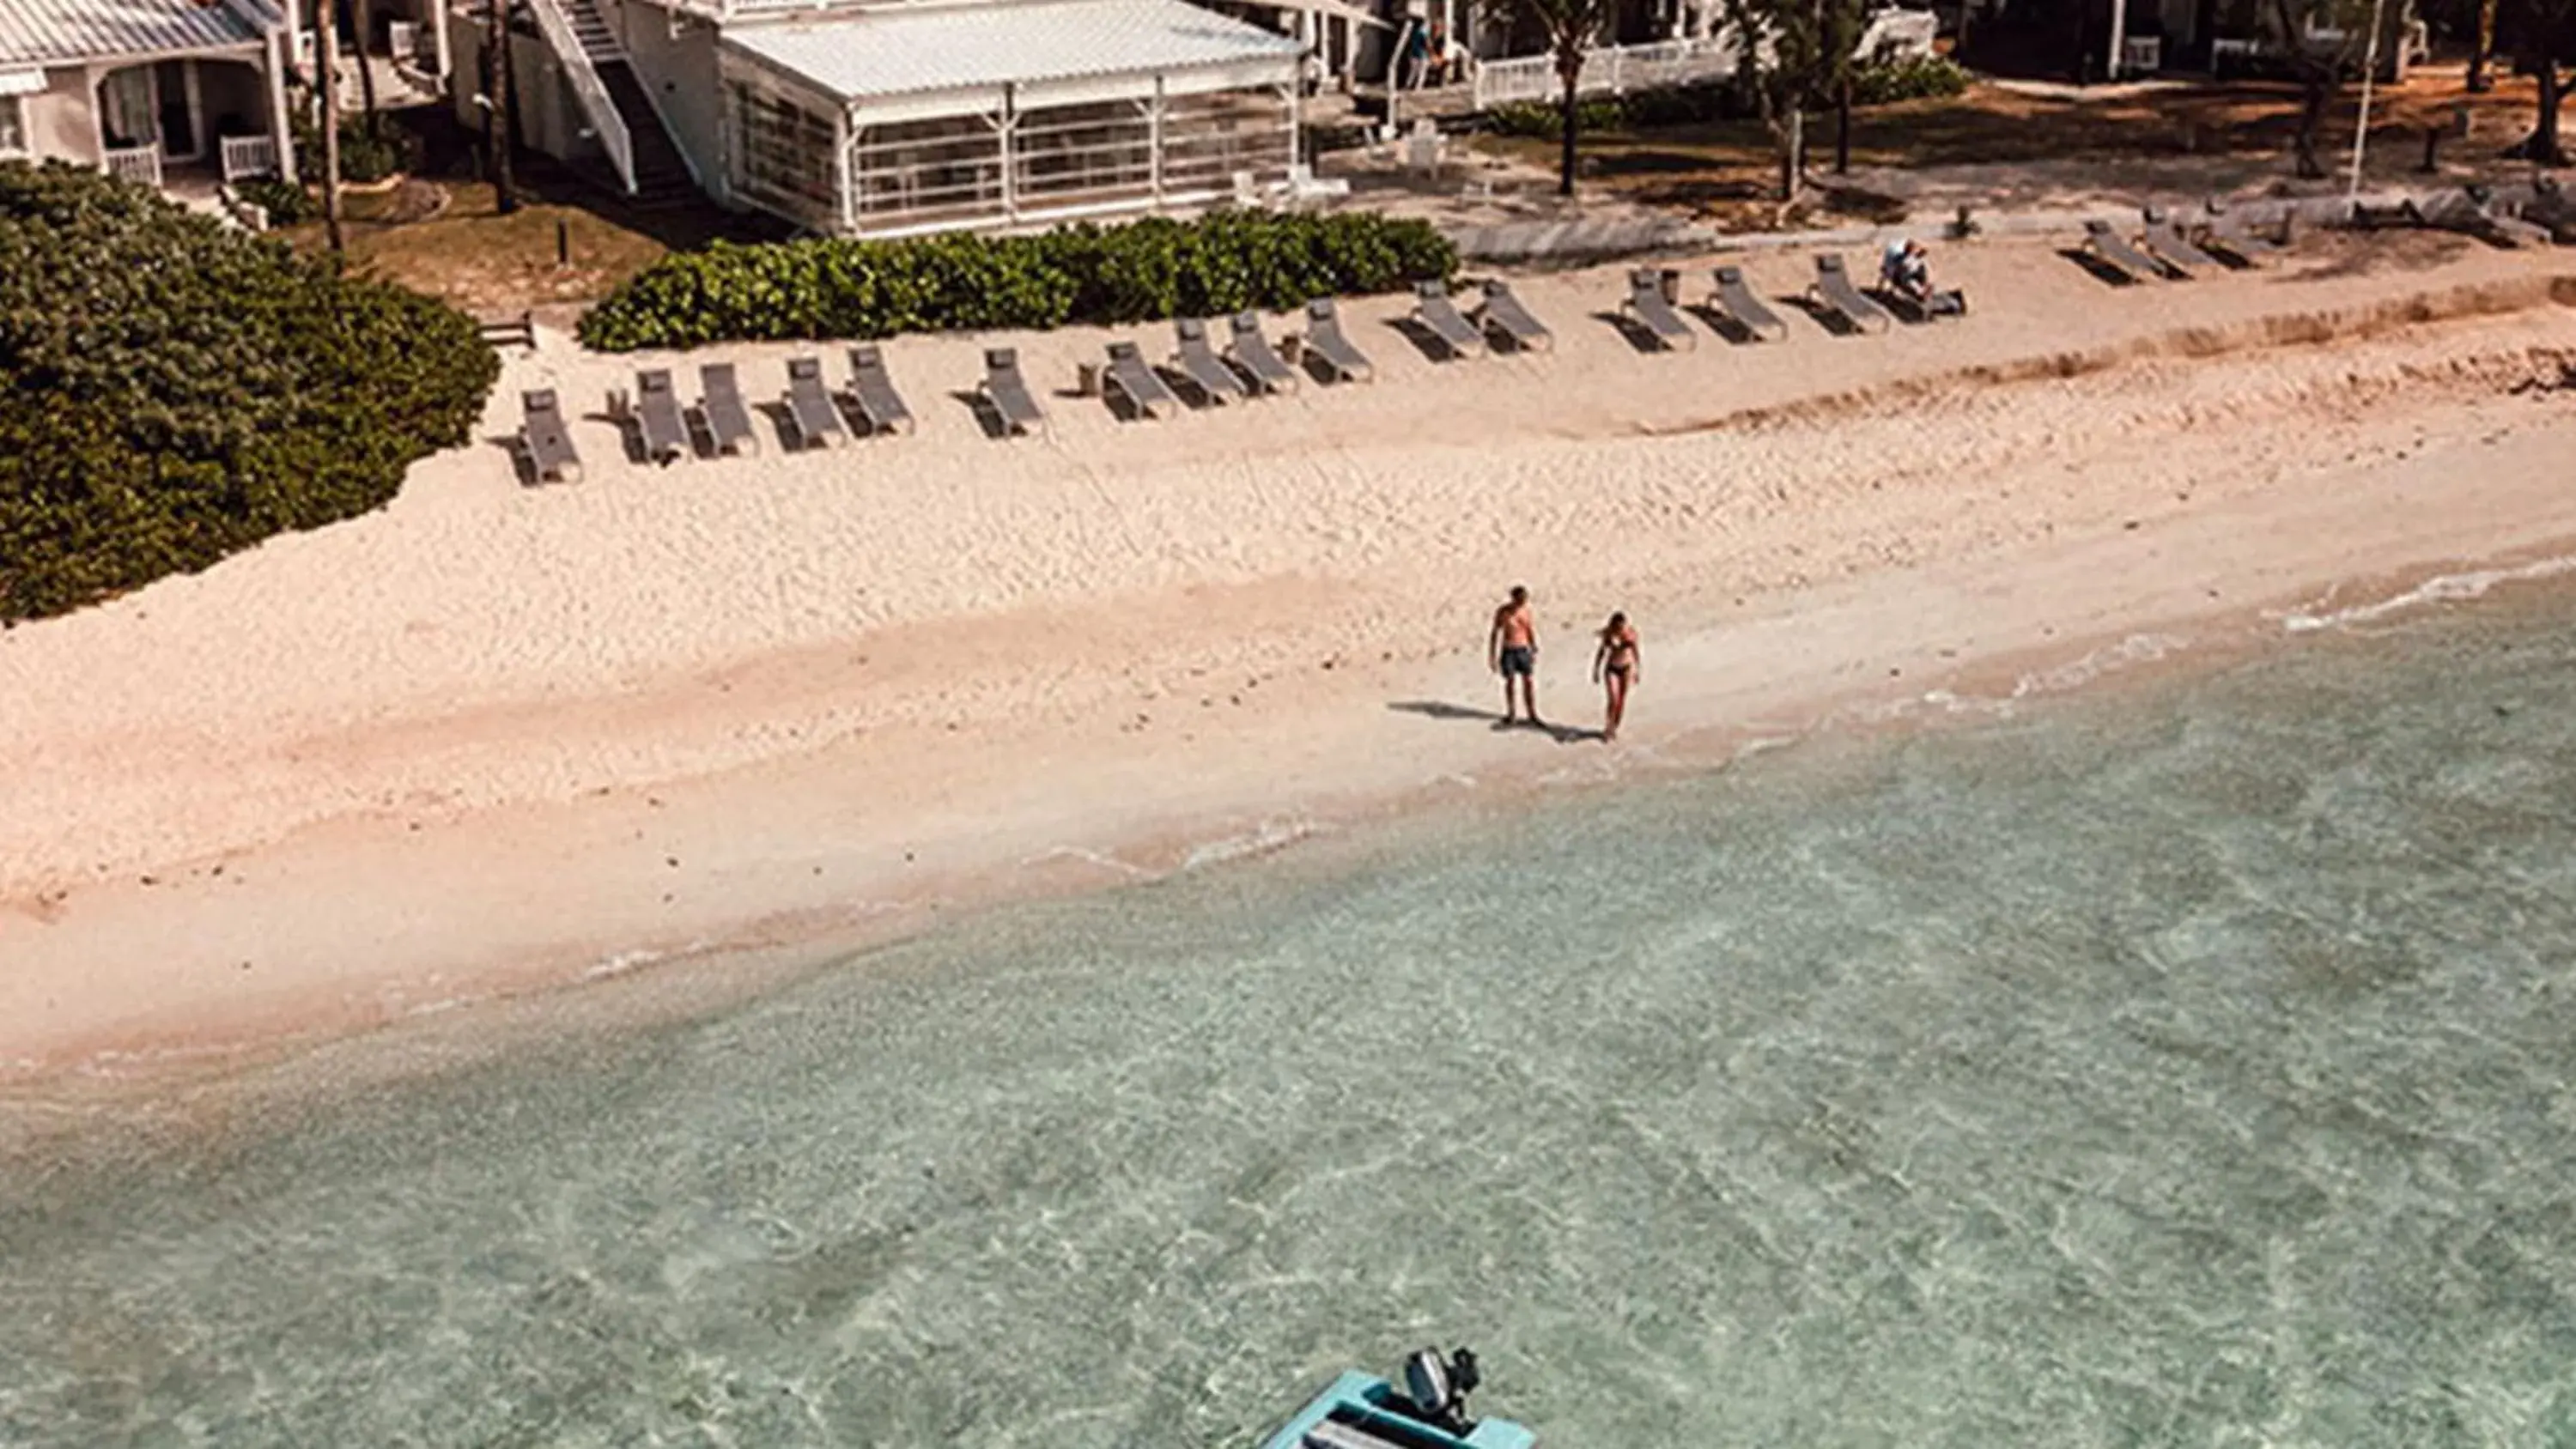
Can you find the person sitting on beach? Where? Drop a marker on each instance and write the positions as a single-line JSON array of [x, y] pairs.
[[1906, 270], [1617, 665], [1511, 650]]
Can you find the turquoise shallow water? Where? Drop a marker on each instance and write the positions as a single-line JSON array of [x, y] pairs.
[[2186, 1065]]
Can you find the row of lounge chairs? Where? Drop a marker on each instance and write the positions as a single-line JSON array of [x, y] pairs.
[[2175, 248], [1248, 365], [812, 416], [1498, 316]]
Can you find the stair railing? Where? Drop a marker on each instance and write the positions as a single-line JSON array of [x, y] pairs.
[[586, 85]]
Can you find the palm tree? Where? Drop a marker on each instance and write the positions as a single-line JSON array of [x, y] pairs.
[[1570, 27], [2479, 59], [363, 19], [326, 65], [2544, 38]]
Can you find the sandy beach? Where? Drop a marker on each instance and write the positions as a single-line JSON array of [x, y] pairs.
[[497, 738]]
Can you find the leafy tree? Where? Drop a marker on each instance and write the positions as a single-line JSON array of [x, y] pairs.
[[1570, 27], [2321, 67], [2543, 38], [172, 391], [1794, 55]]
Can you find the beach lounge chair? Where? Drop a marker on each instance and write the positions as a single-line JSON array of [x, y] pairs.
[[1145, 391], [1833, 290], [810, 405], [2164, 237], [1502, 312], [1734, 297], [2103, 240], [1653, 311], [549, 447], [728, 421], [1324, 339], [1008, 392], [664, 432], [2474, 211], [1438, 315], [1197, 361], [1253, 353], [2237, 234], [873, 389]]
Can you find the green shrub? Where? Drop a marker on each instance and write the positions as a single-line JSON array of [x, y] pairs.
[[285, 202], [364, 156], [172, 391], [1139, 272], [1908, 78]]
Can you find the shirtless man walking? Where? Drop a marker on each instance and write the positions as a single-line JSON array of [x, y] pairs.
[[1512, 650]]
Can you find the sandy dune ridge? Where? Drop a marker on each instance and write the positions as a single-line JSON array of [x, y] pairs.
[[493, 736]]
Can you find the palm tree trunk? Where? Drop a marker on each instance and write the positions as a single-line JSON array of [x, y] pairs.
[[505, 193], [1572, 74], [2479, 79], [2542, 146], [366, 73], [1842, 128], [2312, 116], [327, 61]]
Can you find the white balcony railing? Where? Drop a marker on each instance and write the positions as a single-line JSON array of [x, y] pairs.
[[587, 87], [1619, 69], [1614, 69], [248, 156], [138, 164]]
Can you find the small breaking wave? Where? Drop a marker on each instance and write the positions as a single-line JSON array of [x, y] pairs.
[[2440, 589], [1268, 837]]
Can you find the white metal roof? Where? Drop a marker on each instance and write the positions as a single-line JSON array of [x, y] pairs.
[[41, 31], [981, 47]]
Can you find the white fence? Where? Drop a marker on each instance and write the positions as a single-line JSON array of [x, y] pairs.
[[138, 164], [605, 123], [1611, 69], [1618, 69], [248, 156]]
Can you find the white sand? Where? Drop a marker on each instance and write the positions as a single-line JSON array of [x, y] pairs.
[[494, 737]]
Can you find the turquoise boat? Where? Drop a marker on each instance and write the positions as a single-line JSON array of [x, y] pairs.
[[1363, 1411]]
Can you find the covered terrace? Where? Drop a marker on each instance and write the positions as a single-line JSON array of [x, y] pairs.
[[895, 123]]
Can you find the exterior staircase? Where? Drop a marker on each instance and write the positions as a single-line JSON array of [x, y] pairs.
[[655, 176]]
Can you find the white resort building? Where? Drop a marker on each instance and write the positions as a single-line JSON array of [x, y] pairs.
[[162, 92], [899, 117]]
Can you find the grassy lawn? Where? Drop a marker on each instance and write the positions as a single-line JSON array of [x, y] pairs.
[[1726, 170], [449, 239]]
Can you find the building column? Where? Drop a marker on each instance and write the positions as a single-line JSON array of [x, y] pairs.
[[1296, 125], [281, 117], [1010, 122], [845, 135]]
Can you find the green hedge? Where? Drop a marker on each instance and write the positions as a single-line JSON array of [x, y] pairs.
[[172, 391], [1143, 271], [1880, 83]]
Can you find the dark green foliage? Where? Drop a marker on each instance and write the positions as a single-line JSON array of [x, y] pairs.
[[1876, 84], [1143, 271], [171, 391], [365, 155], [1910, 78], [286, 202]]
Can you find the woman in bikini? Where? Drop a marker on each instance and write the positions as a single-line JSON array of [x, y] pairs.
[[1616, 665]]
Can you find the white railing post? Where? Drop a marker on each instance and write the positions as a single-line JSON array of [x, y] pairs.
[[138, 164], [586, 85]]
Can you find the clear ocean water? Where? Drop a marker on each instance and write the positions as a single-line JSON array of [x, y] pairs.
[[2184, 1063]]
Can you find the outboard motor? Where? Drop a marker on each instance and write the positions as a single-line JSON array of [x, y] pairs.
[[1439, 1388]]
